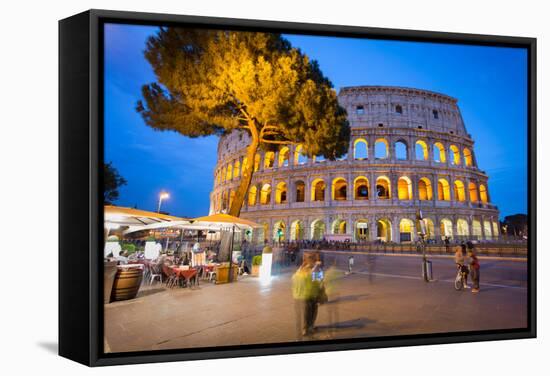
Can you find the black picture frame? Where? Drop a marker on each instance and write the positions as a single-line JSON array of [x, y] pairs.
[[80, 199]]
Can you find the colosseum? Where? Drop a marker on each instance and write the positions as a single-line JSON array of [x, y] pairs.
[[409, 150]]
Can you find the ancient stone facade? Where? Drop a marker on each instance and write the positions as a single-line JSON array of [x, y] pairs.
[[409, 150]]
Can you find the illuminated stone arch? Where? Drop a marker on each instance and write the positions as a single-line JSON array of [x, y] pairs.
[[401, 150], [361, 188], [252, 195], [225, 200], [339, 226], [360, 149], [454, 155], [439, 153], [339, 189], [406, 230], [265, 194], [383, 230], [299, 155], [279, 231], [383, 188], [269, 159], [421, 150], [462, 228], [468, 159], [229, 173], [487, 230], [429, 228], [244, 165], [425, 190], [460, 193], [318, 229], [223, 173], [362, 230], [281, 193], [443, 190], [284, 156], [318, 187], [381, 149], [483, 193], [297, 230], [237, 169], [446, 228], [404, 188], [472, 188], [262, 232], [476, 229], [495, 229], [300, 191]]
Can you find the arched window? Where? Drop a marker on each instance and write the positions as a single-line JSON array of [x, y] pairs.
[[318, 190], [404, 188], [339, 226], [383, 188], [454, 155], [300, 191], [256, 162], [401, 150], [360, 149], [284, 154], [269, 159], [472, 188], [244, 166], [339, 189], [299, 156], [361, 188], [224, 171], [279, 230], [399, 109], [383, 230], [476, 229], [252, 194], [446, 228], [281, 193], [297, 230], [467, 157], [462, 228], [406, 230], [229, 172], [265, 194], [231, 198], [421, 151], [425, 189], [460, 194], [495, 229], [487, 230], [443, 190], [483, 193], [224, 200], [439, 153], [237, 169], [362, 230], [381, 149], [317, 230], [430, 228]]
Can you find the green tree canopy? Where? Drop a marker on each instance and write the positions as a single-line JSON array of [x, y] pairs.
[[212, 82], [112, 181]]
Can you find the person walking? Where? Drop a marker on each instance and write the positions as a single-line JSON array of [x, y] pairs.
[[447, 243], [474, 270], [459, 261], [351, 261], [302, 288]]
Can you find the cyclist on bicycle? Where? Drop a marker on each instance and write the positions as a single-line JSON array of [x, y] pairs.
[[459, 261]]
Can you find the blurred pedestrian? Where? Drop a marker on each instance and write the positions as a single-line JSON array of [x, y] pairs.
[[302, 288], [474, 270], [351, 261]]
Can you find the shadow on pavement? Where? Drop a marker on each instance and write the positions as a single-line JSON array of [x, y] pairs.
[[348, 298], [149, 292], [350, 324]]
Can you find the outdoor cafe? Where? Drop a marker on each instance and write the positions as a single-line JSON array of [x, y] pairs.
[[144, 248]]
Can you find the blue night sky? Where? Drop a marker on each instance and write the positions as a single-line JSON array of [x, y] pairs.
[[489, 82]]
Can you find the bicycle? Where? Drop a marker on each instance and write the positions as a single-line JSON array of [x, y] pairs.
[[460, 279]]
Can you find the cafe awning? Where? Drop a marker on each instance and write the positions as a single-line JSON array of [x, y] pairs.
[[136, 219]]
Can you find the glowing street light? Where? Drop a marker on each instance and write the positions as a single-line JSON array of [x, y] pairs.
[[163, 196]]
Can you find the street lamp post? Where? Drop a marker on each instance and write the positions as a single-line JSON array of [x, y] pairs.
[[163, 195]]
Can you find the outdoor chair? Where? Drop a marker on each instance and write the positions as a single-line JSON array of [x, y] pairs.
[[171, 277], [154, 272]]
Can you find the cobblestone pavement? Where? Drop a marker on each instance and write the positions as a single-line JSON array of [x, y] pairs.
[[383, 296]]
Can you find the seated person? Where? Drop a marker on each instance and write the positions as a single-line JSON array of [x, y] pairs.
[[122, 257]]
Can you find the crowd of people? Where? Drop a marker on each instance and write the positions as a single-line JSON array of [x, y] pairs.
[[468, 264]]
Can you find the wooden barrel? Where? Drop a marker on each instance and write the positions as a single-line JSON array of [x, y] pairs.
[[127, 283]]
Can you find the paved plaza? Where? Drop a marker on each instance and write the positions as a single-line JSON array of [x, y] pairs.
[[384, 296]]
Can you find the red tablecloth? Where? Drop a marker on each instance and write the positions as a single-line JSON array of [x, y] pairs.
[[182, 273]]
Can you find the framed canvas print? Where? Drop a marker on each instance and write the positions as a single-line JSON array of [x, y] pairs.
[[239, 187]]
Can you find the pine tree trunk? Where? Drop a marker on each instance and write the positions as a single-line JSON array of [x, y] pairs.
[[246, 177]]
